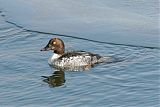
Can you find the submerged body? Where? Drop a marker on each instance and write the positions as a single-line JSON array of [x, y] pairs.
[[71, 59]]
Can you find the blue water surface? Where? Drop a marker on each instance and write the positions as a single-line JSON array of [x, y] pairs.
[[131, 82]]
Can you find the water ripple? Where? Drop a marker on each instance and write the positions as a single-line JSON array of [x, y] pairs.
[[133, 81]]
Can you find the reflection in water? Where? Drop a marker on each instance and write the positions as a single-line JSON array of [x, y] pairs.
[[75, 68], [56, 79]]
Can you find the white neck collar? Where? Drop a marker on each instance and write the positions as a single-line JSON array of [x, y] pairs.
[[55, 56]]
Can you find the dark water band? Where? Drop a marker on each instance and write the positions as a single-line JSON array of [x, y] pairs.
[[63, 35]]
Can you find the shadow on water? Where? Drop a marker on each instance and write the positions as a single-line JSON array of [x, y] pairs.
[[56, 79]]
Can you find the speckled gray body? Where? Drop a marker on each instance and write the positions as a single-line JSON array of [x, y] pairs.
[[79, 58]]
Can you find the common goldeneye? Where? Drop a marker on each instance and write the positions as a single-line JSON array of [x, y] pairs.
[[71, 59]]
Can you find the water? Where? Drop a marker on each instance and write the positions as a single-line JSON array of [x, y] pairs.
[[133, 82]]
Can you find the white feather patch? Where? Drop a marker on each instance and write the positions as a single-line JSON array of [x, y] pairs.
[[55, 56]]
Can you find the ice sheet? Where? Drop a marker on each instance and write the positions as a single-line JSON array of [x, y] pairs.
[[132, 22]]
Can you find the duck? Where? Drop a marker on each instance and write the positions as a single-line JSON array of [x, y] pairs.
[[71, 59]]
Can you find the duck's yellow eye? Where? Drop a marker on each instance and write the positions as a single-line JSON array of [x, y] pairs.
[[54, 43]]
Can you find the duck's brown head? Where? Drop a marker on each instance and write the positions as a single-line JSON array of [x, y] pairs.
[[56, 45]]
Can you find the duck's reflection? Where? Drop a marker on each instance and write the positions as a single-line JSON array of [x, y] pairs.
[[56, 79]]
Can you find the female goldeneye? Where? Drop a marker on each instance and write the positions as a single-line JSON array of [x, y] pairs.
[[71, 59]]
